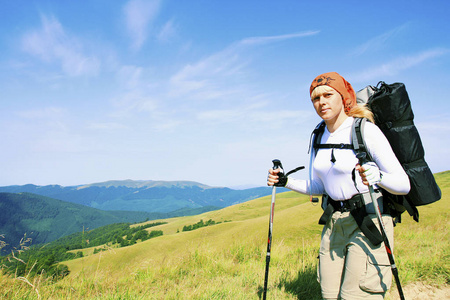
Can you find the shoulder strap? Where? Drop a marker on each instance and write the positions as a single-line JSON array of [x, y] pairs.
[[317, 136], [359, 144]]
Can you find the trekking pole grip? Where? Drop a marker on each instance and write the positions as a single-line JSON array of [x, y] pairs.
[[362, 158], [276, 164]]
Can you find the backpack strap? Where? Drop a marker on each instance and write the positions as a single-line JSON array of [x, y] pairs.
[[358, 141], [316, 138], [318, 131], [334, 146]]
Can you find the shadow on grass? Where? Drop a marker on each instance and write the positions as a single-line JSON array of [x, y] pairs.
[[304, 286]]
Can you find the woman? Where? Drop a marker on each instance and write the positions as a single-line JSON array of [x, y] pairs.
[[350, 265]]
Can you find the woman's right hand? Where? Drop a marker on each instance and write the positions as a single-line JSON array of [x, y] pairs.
[[272, 178]]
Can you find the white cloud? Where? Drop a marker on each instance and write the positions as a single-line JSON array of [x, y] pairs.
[[139, 14], [43, 113], [250, 115], [134, 101], [224, 115], [253, 118], [379, 41], [276, 38], [434, 130], [224, 73], [107, 126], [206, 77], [397, 65], [167, 125], [46, 131], [436, 124], [52, 44], [130, 77], [167, 31]]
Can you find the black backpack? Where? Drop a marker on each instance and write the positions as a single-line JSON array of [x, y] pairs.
[[393, 114]]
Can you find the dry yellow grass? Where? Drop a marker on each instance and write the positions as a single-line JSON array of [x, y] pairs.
[[227, 260]]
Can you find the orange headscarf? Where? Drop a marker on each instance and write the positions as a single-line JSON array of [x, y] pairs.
[[338, 83]]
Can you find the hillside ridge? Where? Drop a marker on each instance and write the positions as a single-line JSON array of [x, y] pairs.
[[145, 184], [143, 195], [45, 219]]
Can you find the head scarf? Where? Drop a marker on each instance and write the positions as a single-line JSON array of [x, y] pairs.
[[338, 83]]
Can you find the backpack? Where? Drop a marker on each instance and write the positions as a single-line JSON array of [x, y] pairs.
[[393, 114]]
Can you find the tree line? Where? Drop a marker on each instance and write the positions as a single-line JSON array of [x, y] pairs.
[[200, 224]]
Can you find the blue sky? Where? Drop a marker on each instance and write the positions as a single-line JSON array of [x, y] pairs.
[[208, 91]]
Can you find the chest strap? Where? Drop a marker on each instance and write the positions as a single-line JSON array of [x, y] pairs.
[[332, 147]]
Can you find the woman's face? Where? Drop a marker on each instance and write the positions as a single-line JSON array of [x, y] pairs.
[[328, 104]]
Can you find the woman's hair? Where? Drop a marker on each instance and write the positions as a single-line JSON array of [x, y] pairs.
[[320, 90], [357, 111], [361, 111]]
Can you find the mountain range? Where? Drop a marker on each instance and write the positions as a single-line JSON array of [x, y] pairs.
[[145, 196], [46, 213]]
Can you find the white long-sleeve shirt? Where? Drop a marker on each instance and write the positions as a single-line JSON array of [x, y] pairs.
[[335, 179]]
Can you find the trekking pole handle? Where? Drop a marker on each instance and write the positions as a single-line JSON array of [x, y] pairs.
[[362, 158], [277, 164]]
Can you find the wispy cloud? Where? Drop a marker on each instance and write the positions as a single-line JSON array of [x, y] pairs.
[[139, 14], [105, 126], [47, 130], [51, 44], [275, 38], [397, 65], [43, 113], [246, 115], [221, 76], [378, 42], [223, 73], [133, 102], [167, 31], [129, 77], [435, 124]]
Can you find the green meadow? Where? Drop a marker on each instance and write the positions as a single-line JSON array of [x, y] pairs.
[[227, 260]]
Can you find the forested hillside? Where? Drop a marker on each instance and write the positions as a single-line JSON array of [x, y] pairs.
[[45, 219]]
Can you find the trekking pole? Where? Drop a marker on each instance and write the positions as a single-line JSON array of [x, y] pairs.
[[276, 165], [362, 159]]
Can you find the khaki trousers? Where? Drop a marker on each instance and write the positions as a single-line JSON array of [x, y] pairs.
[[350, 267]]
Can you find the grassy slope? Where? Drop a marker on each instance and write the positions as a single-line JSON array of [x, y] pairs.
[[226, 261], [249, 224], [217, 262]]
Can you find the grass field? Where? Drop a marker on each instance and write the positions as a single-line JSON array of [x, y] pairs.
[[227, 260]]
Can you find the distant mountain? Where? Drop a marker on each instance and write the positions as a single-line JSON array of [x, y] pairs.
[[145, 184], [45, 219], [145, 196]]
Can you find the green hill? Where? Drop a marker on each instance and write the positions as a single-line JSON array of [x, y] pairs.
[[227, 260], [45, 219]]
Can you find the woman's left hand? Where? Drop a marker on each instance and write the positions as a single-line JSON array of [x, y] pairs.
[[369, 172]]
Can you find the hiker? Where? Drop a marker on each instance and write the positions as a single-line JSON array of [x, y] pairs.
[[351, 266]]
